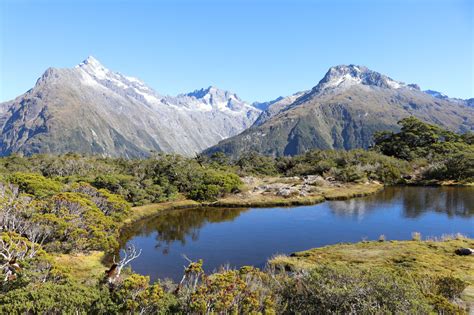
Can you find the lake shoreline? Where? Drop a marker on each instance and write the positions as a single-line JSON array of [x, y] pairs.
[[341, 252], [344, 192], [325, 193]]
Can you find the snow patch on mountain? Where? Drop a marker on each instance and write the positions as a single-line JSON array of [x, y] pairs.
[[345, 76]]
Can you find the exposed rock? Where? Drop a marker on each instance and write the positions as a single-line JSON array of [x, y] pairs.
[[315, 180], [288, 191], [93, 110], [464, 251], [249, 180]]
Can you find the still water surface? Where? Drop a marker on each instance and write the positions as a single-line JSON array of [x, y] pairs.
[[250, 236]]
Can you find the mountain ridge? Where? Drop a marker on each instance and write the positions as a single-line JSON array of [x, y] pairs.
[[343, 111], [119, 116], [92, 110]]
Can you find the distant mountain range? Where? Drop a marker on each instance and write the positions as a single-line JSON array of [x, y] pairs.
[[93, 110], [342, 112], [90, 109]]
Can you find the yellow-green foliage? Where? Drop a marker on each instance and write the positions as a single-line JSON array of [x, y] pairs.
[[335, 289], [434, 266], [244, 291], [65, 297], [35, 184], [76, 223], [83, 218], [213, 184], [435, 257], [84, 267], [135, 295]]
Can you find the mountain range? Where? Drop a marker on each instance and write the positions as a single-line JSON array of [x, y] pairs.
[[342, 112], [90, 109]]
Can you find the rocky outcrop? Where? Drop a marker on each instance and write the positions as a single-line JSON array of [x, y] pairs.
[[464, 251]]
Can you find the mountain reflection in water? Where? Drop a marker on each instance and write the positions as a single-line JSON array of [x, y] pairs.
[[250, 236], [452, 201]]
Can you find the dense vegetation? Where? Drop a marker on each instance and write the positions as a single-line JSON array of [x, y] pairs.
[[69, 204], [156, 179], [448, 155]]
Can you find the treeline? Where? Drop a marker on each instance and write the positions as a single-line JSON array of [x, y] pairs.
[[420, 151], [158, 178]]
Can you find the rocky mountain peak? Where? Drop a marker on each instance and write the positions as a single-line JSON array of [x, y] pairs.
[[343, 76], [212, 93], [436, 94], [214, 98], [93, 67], [94, 110], [91, 60]]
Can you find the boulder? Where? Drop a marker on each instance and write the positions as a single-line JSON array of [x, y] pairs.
[[464, 251], [287, 191], [315, 180]]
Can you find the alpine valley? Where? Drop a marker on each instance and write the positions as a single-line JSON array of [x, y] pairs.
[[90, 109]]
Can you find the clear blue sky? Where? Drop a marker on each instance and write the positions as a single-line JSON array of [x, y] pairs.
[[258, 49]]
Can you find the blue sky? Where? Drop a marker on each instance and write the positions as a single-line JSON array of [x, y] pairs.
[[258, 49]]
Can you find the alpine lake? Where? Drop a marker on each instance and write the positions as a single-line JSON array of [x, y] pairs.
[[250, 236]]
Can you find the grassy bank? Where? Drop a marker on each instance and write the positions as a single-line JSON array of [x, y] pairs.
[[441, 183], [85, 267], [142, 212], [430, 258], [249, 198]]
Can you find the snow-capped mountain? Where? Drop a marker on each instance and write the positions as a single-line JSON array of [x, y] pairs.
[[342, 77], [467, 102], [91, 109], [213, 98], [343, 111], [436, 94]]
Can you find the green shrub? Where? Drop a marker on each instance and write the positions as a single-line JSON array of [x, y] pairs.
[[256, 164], [344, 290], [135, 295], [35, 184], [212, 184], [244, 291], [450, 287], [49, 298]]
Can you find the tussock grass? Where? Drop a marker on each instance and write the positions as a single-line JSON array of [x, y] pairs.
[[85, 267], [429, 258], [149, 210], [349, 191]]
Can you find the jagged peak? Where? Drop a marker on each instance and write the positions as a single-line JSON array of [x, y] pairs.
[[93, 66], [349, 68], [348, 75], [90, 60], [212, 91], [436, 94]]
